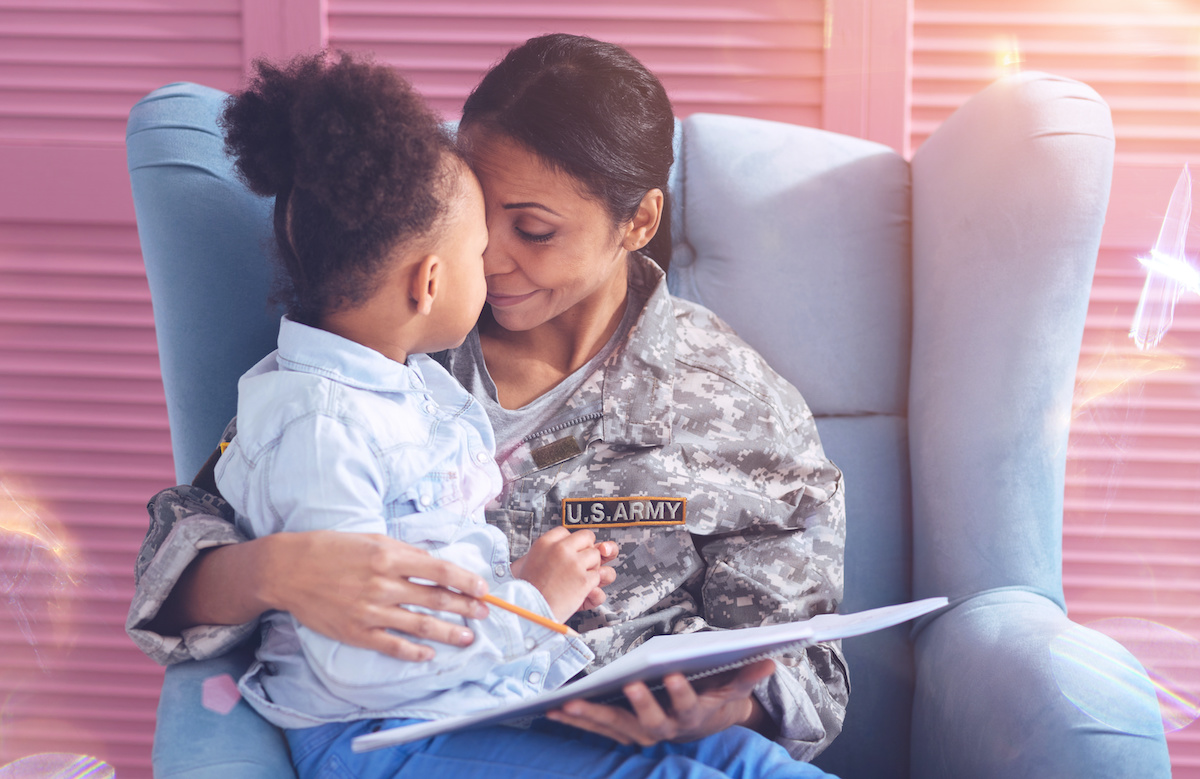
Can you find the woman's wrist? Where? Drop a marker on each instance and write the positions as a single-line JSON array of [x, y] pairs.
[[271, 559], [224, 585], [757, 718]]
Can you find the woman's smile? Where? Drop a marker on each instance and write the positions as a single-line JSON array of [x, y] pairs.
[[499, 300]]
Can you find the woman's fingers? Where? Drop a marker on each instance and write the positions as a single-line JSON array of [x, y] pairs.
[[616, 723], [654, 721], [390, 644], [691, 715], [354, 587], [408, 593], [584, 723], [683, 696], [398, 560]]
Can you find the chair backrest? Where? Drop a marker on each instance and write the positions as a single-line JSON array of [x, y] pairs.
[[205, 241]]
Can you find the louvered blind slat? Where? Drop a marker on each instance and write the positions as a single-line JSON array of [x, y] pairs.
[[757, 58]]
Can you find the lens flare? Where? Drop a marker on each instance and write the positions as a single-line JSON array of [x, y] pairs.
[[1114, 371], [37, 567], [1008, 55], [1168, 272], [1169, 656], [57, 765], [1102, 680]]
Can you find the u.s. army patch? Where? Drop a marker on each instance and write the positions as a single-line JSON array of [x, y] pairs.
[[623, 512]]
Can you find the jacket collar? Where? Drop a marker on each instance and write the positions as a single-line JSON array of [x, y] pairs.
[[639, 380]]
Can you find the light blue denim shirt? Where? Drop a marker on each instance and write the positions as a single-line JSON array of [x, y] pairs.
[[333, 435]]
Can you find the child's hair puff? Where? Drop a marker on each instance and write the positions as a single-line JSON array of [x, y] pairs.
[[356, 162]]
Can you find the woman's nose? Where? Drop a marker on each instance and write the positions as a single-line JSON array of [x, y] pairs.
[[496, 259]]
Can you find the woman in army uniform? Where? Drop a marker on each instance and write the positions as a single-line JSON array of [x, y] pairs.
[[619, 410]]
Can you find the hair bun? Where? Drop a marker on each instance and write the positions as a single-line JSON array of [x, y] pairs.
[[365, 144], [258, 133], [363, 159], [353, 135]]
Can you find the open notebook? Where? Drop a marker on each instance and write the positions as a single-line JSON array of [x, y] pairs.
[[695, 655]]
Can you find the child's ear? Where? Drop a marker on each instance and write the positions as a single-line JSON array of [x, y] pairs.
[[426, 281]]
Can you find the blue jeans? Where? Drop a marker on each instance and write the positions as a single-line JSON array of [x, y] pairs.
[[545, 751]]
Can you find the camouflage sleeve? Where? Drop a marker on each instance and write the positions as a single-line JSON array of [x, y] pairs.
[[787, 568], [184, 520]]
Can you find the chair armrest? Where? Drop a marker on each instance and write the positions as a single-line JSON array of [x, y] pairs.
[[1008, 686], [1009, 197], [193, 741]]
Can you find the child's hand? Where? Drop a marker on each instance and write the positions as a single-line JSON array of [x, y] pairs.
[[568, 569]]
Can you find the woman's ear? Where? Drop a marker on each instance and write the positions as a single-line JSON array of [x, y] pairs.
[[645, 222], [425, 283]]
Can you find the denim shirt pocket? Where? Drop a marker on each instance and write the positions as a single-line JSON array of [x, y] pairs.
[[431, 511]]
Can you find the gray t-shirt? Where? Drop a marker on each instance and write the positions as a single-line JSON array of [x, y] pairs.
[[514, 426]]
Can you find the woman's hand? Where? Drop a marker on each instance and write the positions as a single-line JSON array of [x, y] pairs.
[[693, 714], [353, 587], [569, 569]]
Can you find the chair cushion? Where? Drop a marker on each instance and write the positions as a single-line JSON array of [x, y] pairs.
[[799, 239]]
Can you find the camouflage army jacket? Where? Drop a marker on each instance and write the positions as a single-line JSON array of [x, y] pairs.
[[705, 467]]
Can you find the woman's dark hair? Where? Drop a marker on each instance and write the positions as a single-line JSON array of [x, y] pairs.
[[590, 109], [356, 162]]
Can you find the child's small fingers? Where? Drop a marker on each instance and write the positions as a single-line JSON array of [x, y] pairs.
[[589, 558], [581, 539], [595, 598]]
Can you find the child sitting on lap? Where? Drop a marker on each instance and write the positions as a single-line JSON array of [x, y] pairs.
[[348, 425]]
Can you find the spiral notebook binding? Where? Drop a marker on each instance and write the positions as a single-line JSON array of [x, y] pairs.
[[768, 654]]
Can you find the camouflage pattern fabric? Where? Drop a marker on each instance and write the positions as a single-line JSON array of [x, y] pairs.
[[685, 410], [688, 410], [184, 521]]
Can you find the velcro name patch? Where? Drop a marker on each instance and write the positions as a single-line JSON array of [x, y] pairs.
[[623, 512]]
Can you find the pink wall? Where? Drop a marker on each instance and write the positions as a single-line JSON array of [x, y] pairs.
[[83, 429], [83, 433]]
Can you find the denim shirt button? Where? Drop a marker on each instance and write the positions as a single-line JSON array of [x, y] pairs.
[[534, 677], [498, 570], [481, 457], [530, 643], [426, 500], [430, 407]]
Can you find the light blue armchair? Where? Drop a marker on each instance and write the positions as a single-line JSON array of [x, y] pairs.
[[931, 313]]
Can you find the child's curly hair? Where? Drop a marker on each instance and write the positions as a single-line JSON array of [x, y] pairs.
[[356, 162]]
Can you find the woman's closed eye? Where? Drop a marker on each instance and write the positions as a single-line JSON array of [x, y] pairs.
[[534, 237]]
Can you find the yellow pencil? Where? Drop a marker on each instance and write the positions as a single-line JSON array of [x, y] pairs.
[[558, 627]]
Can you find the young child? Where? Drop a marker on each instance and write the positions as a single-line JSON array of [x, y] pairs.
[[348, 425]]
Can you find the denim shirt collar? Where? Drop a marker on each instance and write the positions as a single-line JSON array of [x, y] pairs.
[[312, 350]]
